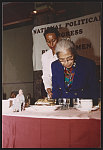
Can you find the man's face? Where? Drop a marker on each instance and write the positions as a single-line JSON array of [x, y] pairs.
[[51, 40]]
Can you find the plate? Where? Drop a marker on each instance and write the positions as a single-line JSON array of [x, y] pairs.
[[93, 108]]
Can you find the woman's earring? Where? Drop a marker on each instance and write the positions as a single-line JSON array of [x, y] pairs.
[[74, 65]]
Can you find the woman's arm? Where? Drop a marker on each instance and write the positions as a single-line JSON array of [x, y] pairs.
[[55, 87], [93, 83]]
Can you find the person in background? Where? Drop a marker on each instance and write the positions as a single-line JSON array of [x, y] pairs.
[[51, 35], [73, 76], [28, 100], [13, 94]]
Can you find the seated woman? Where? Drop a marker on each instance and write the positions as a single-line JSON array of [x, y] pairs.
[[73, 76]]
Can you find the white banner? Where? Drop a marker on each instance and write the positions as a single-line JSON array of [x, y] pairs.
[[84, 31]]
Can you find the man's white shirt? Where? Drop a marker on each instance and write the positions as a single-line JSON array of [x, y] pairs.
[[47, 59]]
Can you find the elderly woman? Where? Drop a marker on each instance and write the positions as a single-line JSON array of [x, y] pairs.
[[73, 76]]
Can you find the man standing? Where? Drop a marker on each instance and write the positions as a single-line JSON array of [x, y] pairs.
[[51, 35]]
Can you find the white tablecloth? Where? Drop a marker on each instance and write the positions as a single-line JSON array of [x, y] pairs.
[[50, 112]]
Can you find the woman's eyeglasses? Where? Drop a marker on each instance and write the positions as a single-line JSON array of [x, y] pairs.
[[63, 60]]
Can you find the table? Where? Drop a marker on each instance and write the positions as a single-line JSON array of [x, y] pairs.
[[50, 129]]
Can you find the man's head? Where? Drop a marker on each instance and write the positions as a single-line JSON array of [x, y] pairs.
[[51, 35], [51, 30]]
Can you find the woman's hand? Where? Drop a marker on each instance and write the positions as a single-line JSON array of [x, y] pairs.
[[49, 91]]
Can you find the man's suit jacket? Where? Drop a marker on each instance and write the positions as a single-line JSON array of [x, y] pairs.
[[84, 84]]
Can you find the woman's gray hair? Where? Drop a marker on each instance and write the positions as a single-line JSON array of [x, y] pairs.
[[65, 45]]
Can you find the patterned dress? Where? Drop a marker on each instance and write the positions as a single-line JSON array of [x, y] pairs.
[[69, 76]]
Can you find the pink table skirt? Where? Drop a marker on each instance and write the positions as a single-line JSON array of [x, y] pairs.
[[26, 132]]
